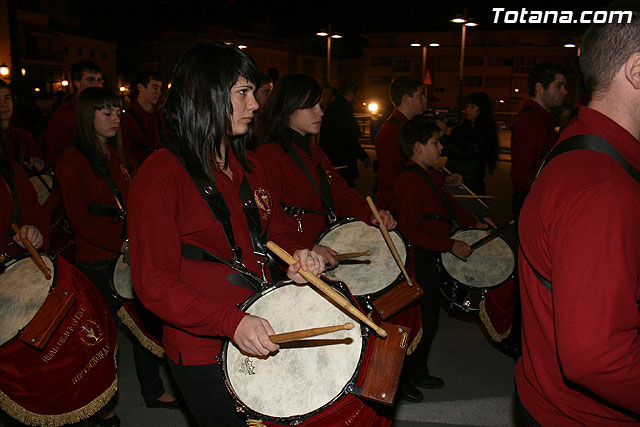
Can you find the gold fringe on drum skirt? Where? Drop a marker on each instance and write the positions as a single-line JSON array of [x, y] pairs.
[[146, 342], [497, 337]]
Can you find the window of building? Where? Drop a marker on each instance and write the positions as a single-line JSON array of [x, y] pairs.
[[92, 53], [104, 55], [401, 65], [473, 81], [380, 61], [79, 51], [308, 66], [474, 61], [497, 82]]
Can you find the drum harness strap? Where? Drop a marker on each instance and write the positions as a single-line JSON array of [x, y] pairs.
[[451, 219], [582, 142], [148, 147], [116, 214], [216, 203], [324, 192]]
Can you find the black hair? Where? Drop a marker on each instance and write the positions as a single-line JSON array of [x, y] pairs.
[[543, 73], [143, 77], [198, 108], [291, 93], [485, 124], [419, 129], [401, 86], [85, 140], [79, 67]]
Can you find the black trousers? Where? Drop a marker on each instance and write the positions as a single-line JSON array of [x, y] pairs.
[[147, 365], [428, 276], [206, 395]]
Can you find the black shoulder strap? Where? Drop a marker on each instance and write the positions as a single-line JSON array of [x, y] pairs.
[[16, 204], [594, 143], [324, 192], [447, 206], [116, 193], [582, 142], [220, 211]]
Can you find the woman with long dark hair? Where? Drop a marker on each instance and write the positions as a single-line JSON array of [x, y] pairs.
[[472, 147], [94, 177], [194, 246], [291, 117]]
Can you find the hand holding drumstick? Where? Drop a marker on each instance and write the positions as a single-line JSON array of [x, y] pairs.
[[22, 234]]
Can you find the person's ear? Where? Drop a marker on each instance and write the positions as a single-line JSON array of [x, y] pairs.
[[632, 70], [140, 87], [417, 147], [539, 88]]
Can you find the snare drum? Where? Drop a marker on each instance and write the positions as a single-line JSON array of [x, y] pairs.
[[365, 281], [146, 327], [74, 375], [300, 380], [465, 283], [43, 184]]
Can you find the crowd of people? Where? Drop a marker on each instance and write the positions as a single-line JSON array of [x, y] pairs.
[[188, 191]]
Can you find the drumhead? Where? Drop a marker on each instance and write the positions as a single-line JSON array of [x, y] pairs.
[[298, 379], [357, 236], [23, 289], [488, 266], [42, 190], [122, 283]]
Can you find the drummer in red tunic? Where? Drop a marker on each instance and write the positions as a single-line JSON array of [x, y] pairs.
[[19, 204], [192, 262], [303, 180], [427, 214], [94, 178]]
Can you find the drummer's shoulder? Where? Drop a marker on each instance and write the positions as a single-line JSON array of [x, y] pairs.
[[161, 165], [270, 149]]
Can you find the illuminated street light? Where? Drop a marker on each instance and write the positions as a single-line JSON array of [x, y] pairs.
[[462, 19], [64, 83], [122, 88], [329, 35], [373, 107], [242, 46], [4, 70], [37, 89], [570, 45], [23, 72]]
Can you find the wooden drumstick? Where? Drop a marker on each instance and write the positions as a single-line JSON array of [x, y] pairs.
[[326, 289], [306, 333], [349, 255], [468, 190], [35, 256], [387, 238]]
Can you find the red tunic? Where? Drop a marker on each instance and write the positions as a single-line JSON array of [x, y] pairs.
[[98, 237], [291, 186], [390, 159], [25, 143], [194, 299], [59, 133], [415, 197], [31, 213], [532, 137], [579, 227], [133, 139]]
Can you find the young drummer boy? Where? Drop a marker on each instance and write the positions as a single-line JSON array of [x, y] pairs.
[[426, 215]]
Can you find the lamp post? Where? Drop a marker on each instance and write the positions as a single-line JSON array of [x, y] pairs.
[[329, 35], [424, 61], [466, 22]]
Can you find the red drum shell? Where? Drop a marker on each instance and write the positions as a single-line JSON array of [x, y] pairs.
[[75, 374]]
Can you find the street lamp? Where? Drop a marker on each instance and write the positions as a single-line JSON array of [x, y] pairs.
[[466, 22], [414, 43], [329, 35], [4, 70]]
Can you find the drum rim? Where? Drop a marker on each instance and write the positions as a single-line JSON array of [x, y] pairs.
[[112, 284], [15, 258], [294, 419], [478, 289], [366, 298]]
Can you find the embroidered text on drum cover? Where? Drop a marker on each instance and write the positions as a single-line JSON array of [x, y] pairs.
[[95, 359], [66, 334]]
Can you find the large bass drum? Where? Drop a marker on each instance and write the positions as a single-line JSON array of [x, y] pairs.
[[74, 374], [365, 281], [304, 377], [465, 283]]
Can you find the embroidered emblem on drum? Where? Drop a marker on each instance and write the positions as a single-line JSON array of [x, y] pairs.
[[90, 333], [247, 368], [263, 201]]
